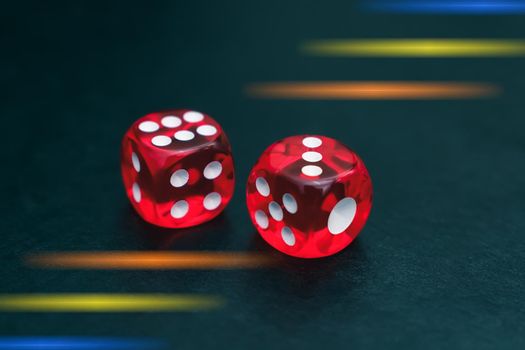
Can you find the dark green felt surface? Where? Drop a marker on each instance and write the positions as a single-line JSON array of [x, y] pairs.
[[441, 261]]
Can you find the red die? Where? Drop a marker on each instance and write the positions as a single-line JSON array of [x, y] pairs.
[[309, 196], [177, 168]]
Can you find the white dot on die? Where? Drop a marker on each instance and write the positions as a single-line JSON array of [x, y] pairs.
[[288, 236], [312, 157], [262, 187], [275, 211], [290, 204], [161, 141], [311, 170], [148, 126], [212, 201], [261, 219], [212, 170], [171, 121], [179, 178], [312, 142], [184, 135], [135, 161], [135, 189], [342, 215], [193, 117], [206, 130], [180, 209]]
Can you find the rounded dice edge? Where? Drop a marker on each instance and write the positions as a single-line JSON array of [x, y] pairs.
[[318, 242], [160, 157]]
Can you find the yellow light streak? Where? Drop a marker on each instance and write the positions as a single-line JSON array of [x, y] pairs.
[[416, 47], [107, 302]]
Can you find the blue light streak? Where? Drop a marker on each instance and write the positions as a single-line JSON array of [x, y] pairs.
[[447, 6], [78, 343]]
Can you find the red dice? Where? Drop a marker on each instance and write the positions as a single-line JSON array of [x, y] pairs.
[[309, 196], [177, 168]]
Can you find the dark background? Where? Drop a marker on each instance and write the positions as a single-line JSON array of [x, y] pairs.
[[441, 261]]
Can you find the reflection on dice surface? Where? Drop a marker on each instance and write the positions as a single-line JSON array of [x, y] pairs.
[[177, 168], [309, 196]]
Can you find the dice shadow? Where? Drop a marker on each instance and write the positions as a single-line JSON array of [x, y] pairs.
[[211, 235], [299, 289]]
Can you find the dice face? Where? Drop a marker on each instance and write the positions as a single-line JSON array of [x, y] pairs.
[[309, 196], [177, 168]]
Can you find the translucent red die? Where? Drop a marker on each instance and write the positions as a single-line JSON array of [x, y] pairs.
[[309, 196], [177, 168]]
